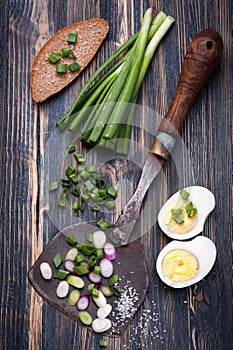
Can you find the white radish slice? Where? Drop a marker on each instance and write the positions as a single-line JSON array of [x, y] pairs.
[[110, 251], [100, 301], [46, 271], [83, 302], [106, 268], [100, 325], [94, 277], [99, 239], [103, 312], [62, 289], [69, 265], [72, 253]]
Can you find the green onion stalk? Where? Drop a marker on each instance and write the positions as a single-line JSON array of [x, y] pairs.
[[112, 94]]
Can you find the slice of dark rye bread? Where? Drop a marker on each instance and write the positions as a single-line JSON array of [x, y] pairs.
[[45, 82]]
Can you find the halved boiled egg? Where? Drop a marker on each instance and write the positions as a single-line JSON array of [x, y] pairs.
[[184, 214], [181, 264]]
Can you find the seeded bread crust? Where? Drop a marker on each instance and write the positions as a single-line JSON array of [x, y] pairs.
[[45, 82]]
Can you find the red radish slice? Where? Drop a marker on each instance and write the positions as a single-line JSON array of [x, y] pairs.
[[69, 266], [94, 277], [100, 325], [110, 251], [106, 268], [99, 239], [83, 302]]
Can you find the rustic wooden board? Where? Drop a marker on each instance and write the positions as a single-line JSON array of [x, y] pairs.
[[198, 317]]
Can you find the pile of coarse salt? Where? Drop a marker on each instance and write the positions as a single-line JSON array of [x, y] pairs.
[[147, 328], [125, 305]]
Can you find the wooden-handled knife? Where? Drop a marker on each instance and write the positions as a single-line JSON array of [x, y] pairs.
[[202, 57]]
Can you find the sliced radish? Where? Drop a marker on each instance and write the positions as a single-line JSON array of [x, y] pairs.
[[69, 265], [83, 302], [100, 325], [46, 271], [62, 289], [110, 251], [103, 312], [100, 300], [106, 268], [72, 253], [94, 277], [99, 239]]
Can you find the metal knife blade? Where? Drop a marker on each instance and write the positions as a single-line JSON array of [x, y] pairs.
[[127, 220]]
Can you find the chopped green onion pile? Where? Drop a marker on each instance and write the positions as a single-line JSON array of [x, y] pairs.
[[66, 52], [106, 124], [83, 184]]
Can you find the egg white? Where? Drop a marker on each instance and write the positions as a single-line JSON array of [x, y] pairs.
[[203, 249], [204, 201]]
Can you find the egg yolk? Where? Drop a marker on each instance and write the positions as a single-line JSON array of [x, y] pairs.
[[180, 265], [186, 226]]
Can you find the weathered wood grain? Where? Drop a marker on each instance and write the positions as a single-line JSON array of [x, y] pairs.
[[198, 317]]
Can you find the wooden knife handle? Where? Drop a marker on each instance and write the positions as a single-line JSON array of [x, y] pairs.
[[202, 57]]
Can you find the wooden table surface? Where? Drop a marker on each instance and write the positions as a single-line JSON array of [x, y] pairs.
[[198, 317]]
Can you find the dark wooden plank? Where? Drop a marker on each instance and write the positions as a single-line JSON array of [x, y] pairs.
[[193, 318]]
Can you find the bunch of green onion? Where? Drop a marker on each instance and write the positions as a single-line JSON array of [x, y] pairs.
[[113, 95]]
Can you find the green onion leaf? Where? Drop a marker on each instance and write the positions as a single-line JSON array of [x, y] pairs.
[[80, 158], [103, 343], [75, 191], [61, 68], [100, 182], [192, 213], [189, 207], [113, 280], [177, 211], [74, 178], [110, 205], [57, 260], [66, 51], [66, 182], [71, 148], [92, 261], [103, 224], [74, 66], [81, 270], [53, 186], [91, 168], [90, 288], [100, 253], [61, 202], [70, 170], [72, 38], [54, 57], [116, 291], [95, 207], [95, 293], [89, 237], [184, 194], [97, 270], [112, 192], [71, 241], [61, 274], [178, 220], [79, 258]]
